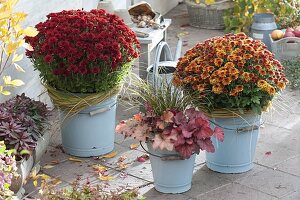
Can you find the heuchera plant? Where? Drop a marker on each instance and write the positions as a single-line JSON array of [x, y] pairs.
[[186, 132], [8, 170], [22, 121], [83, 52]]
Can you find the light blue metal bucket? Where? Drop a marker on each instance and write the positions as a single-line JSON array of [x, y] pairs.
[[171, 175], [91, 132], [236, 153]]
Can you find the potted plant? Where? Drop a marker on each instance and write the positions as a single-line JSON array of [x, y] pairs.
[[23, 127], [236, 79], [8, 170], [83, 57], [173, 132]]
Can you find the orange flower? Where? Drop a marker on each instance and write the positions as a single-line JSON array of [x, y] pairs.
[[248, 56], [238, 58], [221, 54], [226, 81], [177, 81], [239, 88], [217, 89], [271, 90], [230, 58], [233, 93], [262, 84], [229, 65], [205, 75], [262, 72], [281, 85], [210, 68], [201, 87], [233, 70], [218, 62]]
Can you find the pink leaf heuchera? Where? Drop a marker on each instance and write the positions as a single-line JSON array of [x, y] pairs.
[[186, 132]]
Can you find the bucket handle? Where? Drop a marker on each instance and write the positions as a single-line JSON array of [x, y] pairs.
[[239, 130], [101, 110], [162, 47], [163, 158]]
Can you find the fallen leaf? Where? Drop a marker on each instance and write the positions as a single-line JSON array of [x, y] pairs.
[[184, 25], [268, 153], [106, 178], [182, 34], [134, 146], [122, 165], [56, 181], [122, 158], [110, 155], [143, 158], [48, 166], [74, 159], [55, 162], [99, 169]]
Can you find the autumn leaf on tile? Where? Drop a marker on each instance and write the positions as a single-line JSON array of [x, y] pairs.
[[134, 146], [55, 181], [47, 166], [122, 165], [142, 158], [74, 159], [182, 34], [106, 178], [99, 169], [55, 162], [122, 158], [268, 153], [110, 155]]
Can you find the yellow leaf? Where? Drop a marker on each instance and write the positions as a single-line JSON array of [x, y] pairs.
[[11, 47], [134, 146], [55, 162], [74, 159], [110, 155], [35, 183], [19, 68], [122, 165], [7, 80], [106, 178], [44, 176], [17, 82], [209, 2], [27, 46], [99, 168], [55, 181], [197, 1], [5, 92], [30, 31], [48, 166], [17, 57]]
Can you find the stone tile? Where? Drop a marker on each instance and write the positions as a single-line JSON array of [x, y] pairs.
[[282, 119], [118, 182], [141, 170], [272, 182], [53, 154], [68, 171], [293, 196], [291, 166], [205, 180], [277, 154], [234, 191], [153, 194], [235, 177]]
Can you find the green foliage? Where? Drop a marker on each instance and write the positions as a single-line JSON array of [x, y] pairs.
[[287, 13], [292, 71]]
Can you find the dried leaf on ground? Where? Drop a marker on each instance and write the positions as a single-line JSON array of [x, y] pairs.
[[99, 169], [55, 162], [122, 165], [74, 159], [268, 153], [48, 166], [122, 158], [110, 155], [182, 34], [134, 146], [142, 158], [106, 178]]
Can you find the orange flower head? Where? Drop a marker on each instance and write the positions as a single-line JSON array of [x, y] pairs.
[[218, 62], [205, 75], [239, 88], [271, 90], [217, 89], [229, 65], [281, 85], [226, 81]]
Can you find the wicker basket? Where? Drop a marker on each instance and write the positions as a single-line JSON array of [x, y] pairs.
[[285, 48], [209, 17]]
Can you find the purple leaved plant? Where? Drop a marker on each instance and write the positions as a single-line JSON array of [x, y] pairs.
[[22, 122]]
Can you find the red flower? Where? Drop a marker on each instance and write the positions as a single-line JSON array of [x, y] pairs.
[[48, 58]]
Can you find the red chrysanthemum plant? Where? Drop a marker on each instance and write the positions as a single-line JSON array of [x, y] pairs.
[[168, 123], [83, 51], [233, 72]]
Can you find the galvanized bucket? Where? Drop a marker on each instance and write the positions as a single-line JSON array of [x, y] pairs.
[[163, 70], [171, 173], [236, 153], [91, 132]]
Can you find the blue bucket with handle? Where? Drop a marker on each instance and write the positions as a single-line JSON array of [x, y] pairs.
[[91, 132], [236, 153], [171, 174]]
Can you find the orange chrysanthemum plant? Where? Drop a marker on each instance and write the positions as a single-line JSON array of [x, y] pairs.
[[233, 72]]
